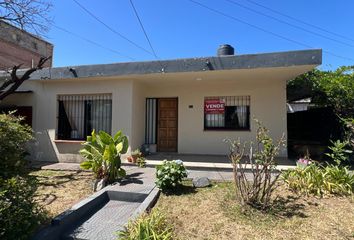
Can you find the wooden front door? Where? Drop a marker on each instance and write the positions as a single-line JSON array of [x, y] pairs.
[[167, 125]]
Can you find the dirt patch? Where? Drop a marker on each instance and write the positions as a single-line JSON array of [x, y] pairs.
[[212, 213], [59, 190]]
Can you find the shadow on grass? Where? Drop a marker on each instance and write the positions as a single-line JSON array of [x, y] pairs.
[[183, 189], [57, 178], [281, 208], [287, 207], [56, 181]]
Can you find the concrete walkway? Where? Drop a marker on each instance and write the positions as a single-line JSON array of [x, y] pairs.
[[209, 162], [214, 171], [107, 211]]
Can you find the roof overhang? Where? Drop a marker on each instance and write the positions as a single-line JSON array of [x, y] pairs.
[[305, 59]]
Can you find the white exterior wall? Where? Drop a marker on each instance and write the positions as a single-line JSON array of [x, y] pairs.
[[45, 111], [268, 104], [266, 87], [138, 116]]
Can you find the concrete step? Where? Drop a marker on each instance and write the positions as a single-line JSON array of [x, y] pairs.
[[211, 166]]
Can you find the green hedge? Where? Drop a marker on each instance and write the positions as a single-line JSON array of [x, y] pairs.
[[19, 214], [13, 137]]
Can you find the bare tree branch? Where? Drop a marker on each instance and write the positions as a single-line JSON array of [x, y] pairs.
[[12, 84], [30, 15]]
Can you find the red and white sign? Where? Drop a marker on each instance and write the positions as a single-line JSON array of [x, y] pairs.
[[214, 106]]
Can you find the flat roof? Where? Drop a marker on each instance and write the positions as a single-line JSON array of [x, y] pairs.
[[200, 64]]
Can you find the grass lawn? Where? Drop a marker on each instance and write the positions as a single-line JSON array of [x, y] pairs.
[[59, 190], [211, 213]]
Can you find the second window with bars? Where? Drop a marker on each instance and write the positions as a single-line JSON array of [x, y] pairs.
[[227, 113]]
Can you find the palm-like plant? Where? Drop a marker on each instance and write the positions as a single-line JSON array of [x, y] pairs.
[[102, 154]]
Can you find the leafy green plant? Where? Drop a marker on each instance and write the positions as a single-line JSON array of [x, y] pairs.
[[339, 152], [152, 226], [136, 152], [141, 161], [319, 180], [170, 174], [256, 193], [19, 214], [13, 137], [103, 155], [137, 157]]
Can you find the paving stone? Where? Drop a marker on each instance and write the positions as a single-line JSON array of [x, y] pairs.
[[105, 222]]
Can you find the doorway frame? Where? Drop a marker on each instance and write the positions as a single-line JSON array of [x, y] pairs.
[[157, 122]]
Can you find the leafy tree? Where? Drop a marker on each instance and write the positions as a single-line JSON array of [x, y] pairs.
[[334, 89]]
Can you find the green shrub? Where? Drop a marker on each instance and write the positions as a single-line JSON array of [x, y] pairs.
[[339, 152], [318, 180], [13, 137], [141, 162], [170, 174], [152, 226], [19, 214], [103, 155]]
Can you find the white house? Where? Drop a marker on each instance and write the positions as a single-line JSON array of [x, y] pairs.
[[182, 105]]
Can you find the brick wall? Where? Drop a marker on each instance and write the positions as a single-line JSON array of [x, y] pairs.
[[20, 47]]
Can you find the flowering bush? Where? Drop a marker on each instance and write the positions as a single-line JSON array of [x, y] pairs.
[[170, 174], [303, 162]]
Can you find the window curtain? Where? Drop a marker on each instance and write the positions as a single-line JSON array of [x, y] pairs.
[[101, 115], [215, 120], [242, 116], [75, 112]]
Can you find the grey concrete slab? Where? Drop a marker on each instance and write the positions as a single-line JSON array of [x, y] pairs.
[[212, 175], [105, 212], [312, 57], [204, 158], [104, 223], [62, 166]]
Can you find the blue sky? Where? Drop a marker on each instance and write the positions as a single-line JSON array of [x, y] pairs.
[[182, 29]]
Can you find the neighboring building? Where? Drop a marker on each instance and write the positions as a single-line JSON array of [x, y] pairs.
[[20, 47], [183, 105], [299, 105]]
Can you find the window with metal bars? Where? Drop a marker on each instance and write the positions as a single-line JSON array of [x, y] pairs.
[[150, 121], [227, 113], [78, 115]]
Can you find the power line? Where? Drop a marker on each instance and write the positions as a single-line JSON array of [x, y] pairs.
[[110, 28], [301, 21], [264, 30], [142, 27], [92, 42], [289, 24]]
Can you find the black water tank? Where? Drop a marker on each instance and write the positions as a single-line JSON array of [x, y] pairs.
[[225, 49]]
